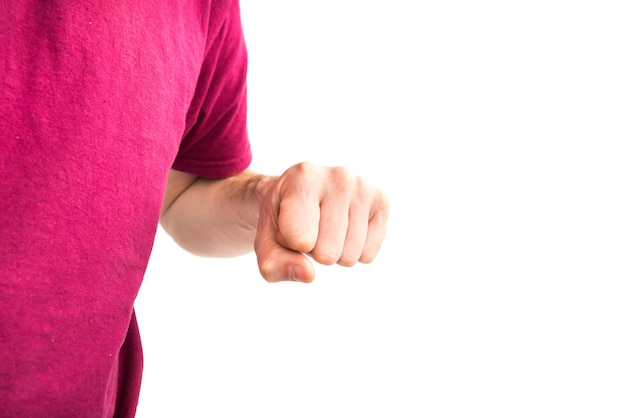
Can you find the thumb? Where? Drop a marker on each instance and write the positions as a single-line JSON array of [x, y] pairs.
[[277, 263]]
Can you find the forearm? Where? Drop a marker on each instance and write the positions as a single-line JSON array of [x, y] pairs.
[[214, 218]]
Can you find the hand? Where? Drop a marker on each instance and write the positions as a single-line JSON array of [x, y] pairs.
[[323, 212]]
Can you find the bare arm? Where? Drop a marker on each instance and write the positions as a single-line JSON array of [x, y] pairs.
[[323, 212], [213, 217]]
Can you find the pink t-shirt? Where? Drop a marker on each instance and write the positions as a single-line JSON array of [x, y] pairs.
[[98, 100]]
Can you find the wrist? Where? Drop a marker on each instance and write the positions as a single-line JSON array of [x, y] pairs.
[[257, 188], [262, 186]]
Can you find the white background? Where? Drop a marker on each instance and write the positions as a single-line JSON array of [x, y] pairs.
[[496, 129]]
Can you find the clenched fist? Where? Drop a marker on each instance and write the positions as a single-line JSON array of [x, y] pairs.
[[323, 212]]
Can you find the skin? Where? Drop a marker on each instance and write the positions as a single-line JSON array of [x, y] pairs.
[[310, 212]]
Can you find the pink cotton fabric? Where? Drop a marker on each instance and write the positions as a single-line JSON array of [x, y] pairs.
[[98, 100]]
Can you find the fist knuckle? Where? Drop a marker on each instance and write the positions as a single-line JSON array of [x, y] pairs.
[[304, 168], [369, 254], [297, 242], [348, 260], [327, 258], [342, 177], [266, 268]]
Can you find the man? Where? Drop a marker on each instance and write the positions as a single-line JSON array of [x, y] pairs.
[[115, 115]]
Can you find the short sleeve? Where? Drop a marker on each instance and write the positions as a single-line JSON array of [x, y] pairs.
[[215, 142]]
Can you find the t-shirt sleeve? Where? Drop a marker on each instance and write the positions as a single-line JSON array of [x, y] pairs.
[[215, 142]]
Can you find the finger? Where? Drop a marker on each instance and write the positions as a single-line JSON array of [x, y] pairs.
[[277, 263], [298, 221], [333, 227], [356, 235], [377, 229], [299, 211]]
